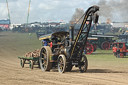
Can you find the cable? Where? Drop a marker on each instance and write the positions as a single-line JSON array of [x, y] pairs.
[[8, 11], [79, 19]]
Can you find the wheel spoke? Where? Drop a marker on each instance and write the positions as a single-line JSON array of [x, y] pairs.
[[61, 64], [43, 53], [45, 64], [84, 64], [44, 58]]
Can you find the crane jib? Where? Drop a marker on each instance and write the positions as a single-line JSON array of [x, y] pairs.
[[79, 34], [83, 31]]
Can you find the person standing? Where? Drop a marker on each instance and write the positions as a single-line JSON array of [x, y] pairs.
[[115, 50], [118, 51]]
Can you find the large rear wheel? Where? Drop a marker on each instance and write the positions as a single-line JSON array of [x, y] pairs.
[[105, 45], [61, 63], [89, 48], [83, 64], [44, 58], [95, 47]]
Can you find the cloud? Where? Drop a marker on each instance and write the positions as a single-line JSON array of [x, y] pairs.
[[4, 1], [3, 10], [46, 6], [42, 10]]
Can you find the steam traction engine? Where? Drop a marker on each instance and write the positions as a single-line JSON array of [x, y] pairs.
[[66, 51]]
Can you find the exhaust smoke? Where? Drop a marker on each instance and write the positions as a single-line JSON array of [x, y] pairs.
[[114, 10]]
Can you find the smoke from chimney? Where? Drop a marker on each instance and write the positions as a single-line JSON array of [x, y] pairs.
[[116, 10], [77, 15]]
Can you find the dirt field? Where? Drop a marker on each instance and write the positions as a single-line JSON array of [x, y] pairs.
[[103, 69]]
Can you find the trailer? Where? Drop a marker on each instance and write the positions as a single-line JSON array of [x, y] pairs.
[[29, 60]]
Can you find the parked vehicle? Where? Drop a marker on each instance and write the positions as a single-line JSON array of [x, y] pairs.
[[123, 48]]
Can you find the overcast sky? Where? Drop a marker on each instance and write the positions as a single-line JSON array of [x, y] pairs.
[[42, 10], [57, 10]]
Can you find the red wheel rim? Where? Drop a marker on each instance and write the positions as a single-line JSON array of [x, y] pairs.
[[89, 48], [121, 54], [95, 46], [105, 45]]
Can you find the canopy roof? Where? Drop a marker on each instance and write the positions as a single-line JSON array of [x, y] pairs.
[[56, 34]]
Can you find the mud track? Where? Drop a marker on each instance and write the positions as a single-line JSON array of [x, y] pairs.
[[12, 74]]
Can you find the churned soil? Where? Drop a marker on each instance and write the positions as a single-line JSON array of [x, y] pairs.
[[98, 73]]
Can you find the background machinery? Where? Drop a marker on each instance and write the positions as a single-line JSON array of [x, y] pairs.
[[122, 47], [104, 42], [122, 44], [66, 50]]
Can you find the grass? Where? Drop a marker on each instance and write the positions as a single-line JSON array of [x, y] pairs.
[[17, 44], [105, 58]]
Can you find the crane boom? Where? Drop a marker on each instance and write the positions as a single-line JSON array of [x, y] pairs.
[[81, 38]]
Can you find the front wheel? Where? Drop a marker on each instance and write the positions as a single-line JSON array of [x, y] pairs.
[[22, 62], [61, 63], [83, 64], [31, 62]]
